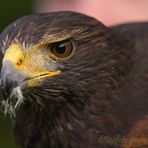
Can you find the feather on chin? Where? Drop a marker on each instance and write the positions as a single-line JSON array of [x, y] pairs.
[[13, 102]]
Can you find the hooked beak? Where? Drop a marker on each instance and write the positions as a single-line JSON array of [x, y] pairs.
[[10, 78]]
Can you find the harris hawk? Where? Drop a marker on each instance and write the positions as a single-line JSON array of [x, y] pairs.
[[69, 81]]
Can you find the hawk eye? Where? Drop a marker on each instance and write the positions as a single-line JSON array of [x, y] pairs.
[[62, 49]]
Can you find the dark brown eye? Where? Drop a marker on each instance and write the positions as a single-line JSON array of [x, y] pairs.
[[63, 49]]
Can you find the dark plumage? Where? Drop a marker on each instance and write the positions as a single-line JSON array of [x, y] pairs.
[[102, 89]]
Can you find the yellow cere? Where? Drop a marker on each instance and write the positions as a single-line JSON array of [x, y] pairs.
[[15, 55]]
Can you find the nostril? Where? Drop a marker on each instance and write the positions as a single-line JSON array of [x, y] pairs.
[[19, 62]]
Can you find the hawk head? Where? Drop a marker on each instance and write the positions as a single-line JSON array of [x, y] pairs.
[[58, 58]]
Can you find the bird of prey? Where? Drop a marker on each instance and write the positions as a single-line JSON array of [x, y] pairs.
[[69, 81]]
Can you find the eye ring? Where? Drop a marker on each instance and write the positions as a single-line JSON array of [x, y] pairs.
[[62, 50]]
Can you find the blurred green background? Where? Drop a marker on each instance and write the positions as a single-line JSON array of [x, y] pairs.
[[10, 10]]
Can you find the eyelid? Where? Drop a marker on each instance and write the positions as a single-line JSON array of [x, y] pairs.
[[56, 40], [59, 42], [51, 44], [44, 43]]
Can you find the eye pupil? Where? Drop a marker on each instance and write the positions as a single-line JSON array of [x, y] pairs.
[[60, 49]]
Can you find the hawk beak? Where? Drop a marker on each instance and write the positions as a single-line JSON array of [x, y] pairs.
[[10, 78]]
